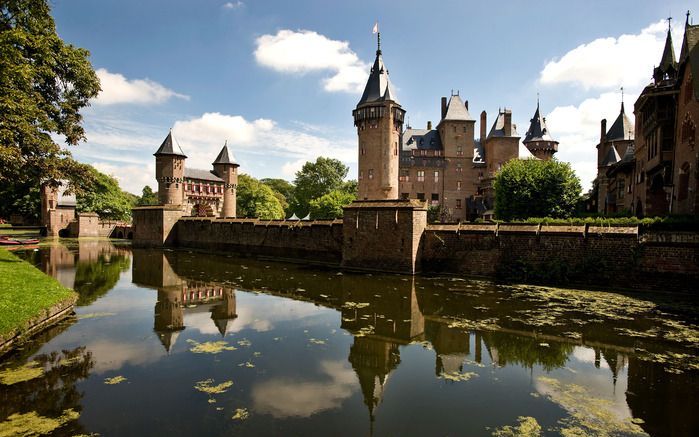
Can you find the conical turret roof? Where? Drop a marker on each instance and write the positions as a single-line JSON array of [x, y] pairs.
[[612, 157], [668, 59], [378, 87], [537, 128], [225, 157], [170, 147], [456, 110], [622, 128]]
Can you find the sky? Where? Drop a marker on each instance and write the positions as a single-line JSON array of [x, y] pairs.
[[278, 80]]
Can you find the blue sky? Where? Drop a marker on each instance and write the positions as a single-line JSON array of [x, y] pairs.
[[279, 79]]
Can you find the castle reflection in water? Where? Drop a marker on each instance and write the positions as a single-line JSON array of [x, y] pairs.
[[384, 313]]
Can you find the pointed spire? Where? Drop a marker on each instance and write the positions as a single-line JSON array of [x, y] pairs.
[[378, 87], [224, 157], [170, 146], [622, 128], [537, 127], [668, 62]]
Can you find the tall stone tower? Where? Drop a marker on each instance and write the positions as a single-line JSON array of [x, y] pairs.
[[379, 121], [226, 168], [538, 140], [169, 171]]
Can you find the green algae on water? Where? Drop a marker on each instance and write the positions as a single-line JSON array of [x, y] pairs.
[[457, 376], [240, 414], [29, 371], [206, 386], [526, 427], [32, 424], [210, 347], [114, 380]]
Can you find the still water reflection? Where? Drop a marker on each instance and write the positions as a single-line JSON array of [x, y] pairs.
[[180, 343]]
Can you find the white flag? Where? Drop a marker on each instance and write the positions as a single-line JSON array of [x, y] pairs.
[[376, 28]]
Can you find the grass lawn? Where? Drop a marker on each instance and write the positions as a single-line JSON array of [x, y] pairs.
[[25, 291]]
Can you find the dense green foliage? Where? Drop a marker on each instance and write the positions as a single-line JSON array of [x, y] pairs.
[[148, 197], [45, 83], [104, 197], [329, 206], [673, 222], [534, 188], [256, 199], [315, 179], [284, 192], [25, 292]]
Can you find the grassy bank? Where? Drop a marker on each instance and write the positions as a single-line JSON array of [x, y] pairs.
[[25, 293]]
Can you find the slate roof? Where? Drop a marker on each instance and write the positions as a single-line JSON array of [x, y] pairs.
[[456, 110], [170, 146], [691, 37], [498, 129], [205, 175], [378, 87], [612, 157], [537, 128], [421, 139], [668, 60], [224, 157], [622, 128], [690, 54]]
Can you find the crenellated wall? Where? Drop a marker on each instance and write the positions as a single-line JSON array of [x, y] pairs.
[[319, 241], [392, 236]]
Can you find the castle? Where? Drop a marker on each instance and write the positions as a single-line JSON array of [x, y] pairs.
[[200, 193], [650, 169], [445, 166]]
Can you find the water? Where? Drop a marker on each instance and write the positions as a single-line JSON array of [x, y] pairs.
[[181, 343]]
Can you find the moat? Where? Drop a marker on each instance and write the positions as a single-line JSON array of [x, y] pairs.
[[184, 343]]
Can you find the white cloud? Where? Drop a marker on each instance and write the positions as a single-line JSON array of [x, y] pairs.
[[577, 128], [233, 5], [117, 89], [300, 398], [202, 138], [610, 62], [132, 178], [307, 51]]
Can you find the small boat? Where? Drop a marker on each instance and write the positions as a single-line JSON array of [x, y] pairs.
[[6, 241]]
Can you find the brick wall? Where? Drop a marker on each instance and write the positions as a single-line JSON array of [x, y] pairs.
[[574, 255], [300, 240]]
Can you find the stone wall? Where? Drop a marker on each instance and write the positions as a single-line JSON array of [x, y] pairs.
[[566, 255], [319, 241], [155, 226]]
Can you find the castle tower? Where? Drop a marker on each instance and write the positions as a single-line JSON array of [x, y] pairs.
[[538, 140], [226, 168], [668, 63], [169, 172], [379, 121]]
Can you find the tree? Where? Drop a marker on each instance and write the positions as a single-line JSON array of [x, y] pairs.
[[316, 179], [257, 200], [104, 197], [44, 84], [148, 197], [283, 190], [329, 206], [535, 188]]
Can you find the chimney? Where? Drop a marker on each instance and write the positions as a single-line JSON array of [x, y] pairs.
[[466, 104], [429, 125], [508, 122], [483, 126], [444, 107], [603, 130]]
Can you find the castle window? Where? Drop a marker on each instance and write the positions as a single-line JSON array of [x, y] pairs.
[[459, 168], [620, 189], [404, 175], [458, 185], [405, 196], [361, 174], [435, 199], [459, 151], [371, 173], [458, 203], [421, 175], [421, 196], [436, 176]]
